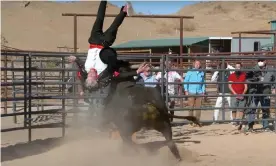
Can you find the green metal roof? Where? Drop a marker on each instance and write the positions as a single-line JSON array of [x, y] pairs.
[[161, 42]]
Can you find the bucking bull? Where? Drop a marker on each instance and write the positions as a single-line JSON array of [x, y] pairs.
[[131, 107]]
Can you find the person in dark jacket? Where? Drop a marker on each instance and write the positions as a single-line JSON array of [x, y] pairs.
[[118, 75], [268, 87], [101, 56], [105, 87]]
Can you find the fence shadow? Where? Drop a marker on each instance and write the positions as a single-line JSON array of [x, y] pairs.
[[35, 147]]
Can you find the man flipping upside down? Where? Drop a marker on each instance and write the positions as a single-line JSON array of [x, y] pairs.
[[101, 59]]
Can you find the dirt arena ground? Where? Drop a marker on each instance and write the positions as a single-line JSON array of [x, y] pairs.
[[212, 145]]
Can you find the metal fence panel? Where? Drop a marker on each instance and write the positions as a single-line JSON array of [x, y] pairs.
[[30, 90]]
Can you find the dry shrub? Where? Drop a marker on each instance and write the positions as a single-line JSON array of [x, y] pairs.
[[165, 29], [264, 6], [150, 20], [218, 9], [4, 41], [188, 26]]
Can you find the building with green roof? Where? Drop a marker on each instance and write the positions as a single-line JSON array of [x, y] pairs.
[[166, 42], [163, 45], [195, 44], [270, 45]]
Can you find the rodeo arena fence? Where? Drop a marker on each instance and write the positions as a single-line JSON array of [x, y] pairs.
[[35, 85], [41, 86]]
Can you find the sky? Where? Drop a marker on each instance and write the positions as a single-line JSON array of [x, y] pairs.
[[152, 7], [156, 7]]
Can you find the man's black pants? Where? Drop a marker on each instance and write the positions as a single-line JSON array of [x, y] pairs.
[[107, 38]]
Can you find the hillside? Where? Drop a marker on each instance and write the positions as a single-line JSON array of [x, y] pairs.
[[40, 25], [222, 18]]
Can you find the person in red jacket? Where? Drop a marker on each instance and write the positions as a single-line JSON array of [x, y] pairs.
[[238, 89]]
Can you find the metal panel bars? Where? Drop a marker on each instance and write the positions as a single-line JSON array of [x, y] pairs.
[[55, 81]]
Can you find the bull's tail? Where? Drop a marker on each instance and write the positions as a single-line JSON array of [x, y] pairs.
[[189, 118]]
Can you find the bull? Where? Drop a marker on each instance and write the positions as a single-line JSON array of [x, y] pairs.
[[131, 107]]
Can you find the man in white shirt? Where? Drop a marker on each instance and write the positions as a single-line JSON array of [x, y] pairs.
[[173, 76], [218, 77]]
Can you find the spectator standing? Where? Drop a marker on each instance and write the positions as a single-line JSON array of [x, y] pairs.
[[173, 76], [197, 89], [238, 89], [148, 76], [220, 76], [268, 87]]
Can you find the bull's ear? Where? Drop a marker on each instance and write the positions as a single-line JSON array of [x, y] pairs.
[[134, 66]]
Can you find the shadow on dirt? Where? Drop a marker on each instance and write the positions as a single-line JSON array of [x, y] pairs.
[[22, 150], [40, 146]]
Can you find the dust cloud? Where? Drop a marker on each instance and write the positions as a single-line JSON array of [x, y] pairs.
[[86, 146]]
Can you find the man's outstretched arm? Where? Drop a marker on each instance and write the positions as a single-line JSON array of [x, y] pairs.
[[126, 74]]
